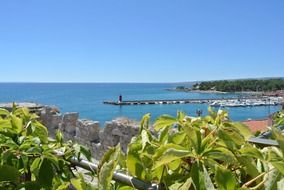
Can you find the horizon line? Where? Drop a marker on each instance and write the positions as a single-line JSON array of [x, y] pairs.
[[136, 82]]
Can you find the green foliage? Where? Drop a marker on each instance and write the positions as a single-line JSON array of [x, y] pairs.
[[107, 167], [208, 152], [9, 173], [225, 179], [178, 153], [27, 154], [278, 118], [80, 184]]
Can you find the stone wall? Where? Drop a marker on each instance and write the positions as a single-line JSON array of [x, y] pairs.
[[88, 132]]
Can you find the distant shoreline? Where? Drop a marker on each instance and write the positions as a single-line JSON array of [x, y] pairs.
[[213, 91]]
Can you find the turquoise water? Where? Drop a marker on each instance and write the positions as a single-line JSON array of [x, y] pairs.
[[87, 99]]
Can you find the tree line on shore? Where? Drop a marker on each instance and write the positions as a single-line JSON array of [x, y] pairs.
[[241, 85]]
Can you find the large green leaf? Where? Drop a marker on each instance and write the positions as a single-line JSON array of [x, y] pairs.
[[169, 153], [196, 140], [164, 135], [219, 154], [134, 164], [271, 179], [9, 173], [31, 185], [78, 183], [145, 138], [145, 121], [5, 124], [208, 182], [231, 134], [164, 121], [181, 116], [279, 137], [174, 165], [105, 175], [35, 166], [280, 184], [186, 185], [155, 175], [59, 137], [82, 150], [279, 165], [17, 123], [178, 137], [207, 142], [193, 135], [112, 151], [250, 151], [40, 131], [107, 169], [46, 174], [4, 112], [197, 176], [249, 166], [244, 130], [181, 185], [225, 179]]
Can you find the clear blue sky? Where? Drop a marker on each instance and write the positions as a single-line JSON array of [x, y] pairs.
[[140, 40]]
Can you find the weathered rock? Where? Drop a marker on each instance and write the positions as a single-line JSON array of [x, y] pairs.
[[98, 150], [88, 129], [88, 132], [118, 131], [70, 121], [51, 119]]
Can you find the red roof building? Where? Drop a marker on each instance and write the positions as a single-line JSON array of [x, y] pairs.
[[257, 125]]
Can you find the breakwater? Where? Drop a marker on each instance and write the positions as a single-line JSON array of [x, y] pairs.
[[225, 102]]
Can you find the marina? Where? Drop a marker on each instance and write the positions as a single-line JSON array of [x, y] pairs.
[[217, 102], [90, 102]]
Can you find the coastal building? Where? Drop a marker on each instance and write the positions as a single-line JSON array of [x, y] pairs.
[[257, 125], [261, 125]]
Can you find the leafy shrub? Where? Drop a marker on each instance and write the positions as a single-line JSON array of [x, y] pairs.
[[180, 152], [204, 153], [28, 158], [278, 118]]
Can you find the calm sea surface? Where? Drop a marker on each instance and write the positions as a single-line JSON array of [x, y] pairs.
[[87, 99]]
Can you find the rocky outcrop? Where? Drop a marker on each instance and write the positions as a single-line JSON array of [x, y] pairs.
[[51, 118], [88, 132], [118, 131]]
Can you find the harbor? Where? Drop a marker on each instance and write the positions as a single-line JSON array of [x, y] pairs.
[[217, 102]]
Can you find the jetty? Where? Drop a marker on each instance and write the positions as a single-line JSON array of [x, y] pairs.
[[224, 102]]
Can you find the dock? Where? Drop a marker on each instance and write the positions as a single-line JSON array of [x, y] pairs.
[[213, 102], [146, 102]]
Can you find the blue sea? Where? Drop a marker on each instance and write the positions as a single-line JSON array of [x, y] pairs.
[[87, 99]]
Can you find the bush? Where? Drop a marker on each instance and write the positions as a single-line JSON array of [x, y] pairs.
[[180, 152], [203, 153], [28, 158]]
